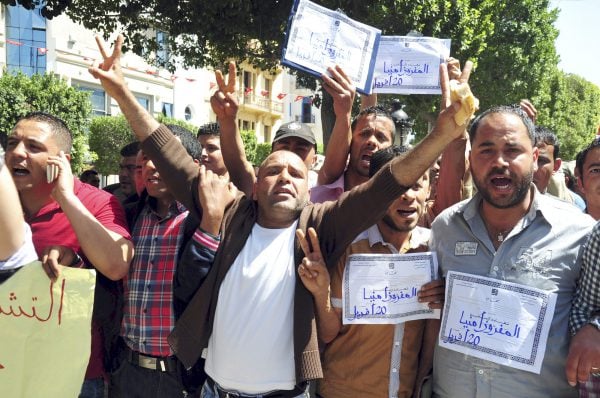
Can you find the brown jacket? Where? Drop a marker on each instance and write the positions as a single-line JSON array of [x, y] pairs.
[[337, 224]]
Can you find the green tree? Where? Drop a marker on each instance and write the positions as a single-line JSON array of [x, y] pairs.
[[250, 144], [108, 134], [20, 94], [573, 112]]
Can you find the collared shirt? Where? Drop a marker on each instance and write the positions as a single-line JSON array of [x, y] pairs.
[[586, 305], [148, 315], [373, 360], [543, 250], [323, 193]]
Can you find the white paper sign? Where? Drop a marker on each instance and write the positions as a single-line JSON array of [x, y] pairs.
[[382, 288], [498, 321], [319, 37], [409, 65]]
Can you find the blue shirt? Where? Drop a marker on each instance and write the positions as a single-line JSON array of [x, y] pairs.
[[543, 250]]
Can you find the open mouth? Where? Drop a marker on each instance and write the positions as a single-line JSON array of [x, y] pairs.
[[406, 212], [20, 172], [501, 182]]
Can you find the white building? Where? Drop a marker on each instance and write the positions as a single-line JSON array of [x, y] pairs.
[[30, 43]]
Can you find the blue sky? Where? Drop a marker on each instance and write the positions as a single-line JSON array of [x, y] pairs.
[[577, 43]]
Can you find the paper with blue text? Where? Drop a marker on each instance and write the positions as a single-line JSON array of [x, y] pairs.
[[501, 322], [319, 37], [382, 288], [409, 65]]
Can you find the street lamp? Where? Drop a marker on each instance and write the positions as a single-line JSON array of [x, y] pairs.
[[402, 122]]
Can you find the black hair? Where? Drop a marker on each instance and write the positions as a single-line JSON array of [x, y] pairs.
[[372, 110], [209, 129], [543, 135], [189, 142], [130, 149], [582, 155], [383, 156], [504, 109], [60, 131]]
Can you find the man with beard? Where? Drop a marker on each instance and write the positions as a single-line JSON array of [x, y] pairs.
[[509, 231], [375, 360]]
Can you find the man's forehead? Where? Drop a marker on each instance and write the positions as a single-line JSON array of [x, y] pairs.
[[284, 157], [31, 129]]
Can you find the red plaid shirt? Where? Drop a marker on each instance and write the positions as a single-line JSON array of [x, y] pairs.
[[148, 314]]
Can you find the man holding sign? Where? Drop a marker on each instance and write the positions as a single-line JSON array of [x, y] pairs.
[[377, 360], [508, 237]]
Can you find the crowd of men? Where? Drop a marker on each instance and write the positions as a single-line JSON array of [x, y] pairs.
[[219, 280]]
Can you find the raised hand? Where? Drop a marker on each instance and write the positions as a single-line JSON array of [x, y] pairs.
[[312, 269], [63, 184], [529, 109], [109, 70], [224, 102], [215, 193], [341, 88]]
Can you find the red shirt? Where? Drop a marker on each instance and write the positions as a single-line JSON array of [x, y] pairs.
[[50, 226]]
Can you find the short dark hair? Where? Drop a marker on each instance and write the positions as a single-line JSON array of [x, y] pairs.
[[372, 110], [582, 156], [209, 129], [60, 131], [543, 135], [383, 156], [504, 109], [189, 142], [130, 149]]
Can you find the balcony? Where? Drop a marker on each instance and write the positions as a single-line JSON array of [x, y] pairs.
[[260, 103]]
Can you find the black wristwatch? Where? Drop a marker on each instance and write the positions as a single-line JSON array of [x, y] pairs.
[[77, 261]]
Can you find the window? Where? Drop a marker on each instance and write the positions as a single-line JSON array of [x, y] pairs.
[[267, 133], [167, 109], [307, 110], [143, 101], [188, 113], [98, 99], [26, 39], [162, 53], [267, 87]]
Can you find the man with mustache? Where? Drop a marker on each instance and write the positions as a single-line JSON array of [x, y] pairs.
[[514, 234]]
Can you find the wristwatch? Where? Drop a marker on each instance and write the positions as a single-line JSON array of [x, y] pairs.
[[77, 261]]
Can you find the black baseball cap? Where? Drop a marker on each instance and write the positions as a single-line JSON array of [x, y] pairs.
[[295, 129]]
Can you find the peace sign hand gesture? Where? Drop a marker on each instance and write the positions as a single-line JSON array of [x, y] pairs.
[[312, 269]]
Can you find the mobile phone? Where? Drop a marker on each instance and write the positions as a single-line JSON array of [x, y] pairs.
[[51, 172]]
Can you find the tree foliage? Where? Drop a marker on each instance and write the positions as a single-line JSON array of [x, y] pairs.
[[573, 112], [511, 42], [108, 134], [20, 94]]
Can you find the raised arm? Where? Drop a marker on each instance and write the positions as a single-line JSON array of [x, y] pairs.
[[225, 105], [315, 277], [110, 252], [340, 87], [454, 157], [110, 74], [215, 194], [389, 183]]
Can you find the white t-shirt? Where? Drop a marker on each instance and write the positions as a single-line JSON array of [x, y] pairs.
[[251, 349], [25, 255]]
